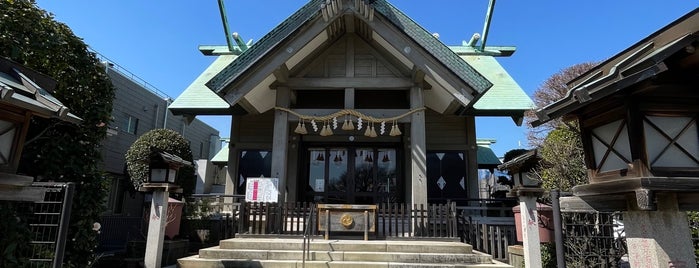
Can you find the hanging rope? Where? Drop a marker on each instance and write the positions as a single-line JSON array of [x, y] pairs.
[[355, 113]]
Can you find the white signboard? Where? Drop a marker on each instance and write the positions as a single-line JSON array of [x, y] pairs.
[[262, 190]]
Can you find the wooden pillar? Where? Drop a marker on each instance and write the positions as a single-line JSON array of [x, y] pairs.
[[280, 144], [472, 159], [233, 157], [418, 152]]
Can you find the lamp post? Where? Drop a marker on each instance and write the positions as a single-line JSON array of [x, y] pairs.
[[527, 190], [163, 169]]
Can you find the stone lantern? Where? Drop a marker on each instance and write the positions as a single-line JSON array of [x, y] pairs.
[[638, 117], [162, 171]]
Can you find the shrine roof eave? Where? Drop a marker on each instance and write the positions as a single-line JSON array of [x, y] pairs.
[[312, 11], [637, 63]]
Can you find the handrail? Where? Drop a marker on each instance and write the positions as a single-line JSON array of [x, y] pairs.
[[306, 235]]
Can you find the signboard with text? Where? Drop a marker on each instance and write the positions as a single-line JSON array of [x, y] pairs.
[[262, 190]]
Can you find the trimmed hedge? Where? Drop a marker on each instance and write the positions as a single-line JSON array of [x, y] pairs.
[[164, 139]]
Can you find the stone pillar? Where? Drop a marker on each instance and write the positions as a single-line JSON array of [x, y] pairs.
[[156, 228], [529, 220], [659, 238]]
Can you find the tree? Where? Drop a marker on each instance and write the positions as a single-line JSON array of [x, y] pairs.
[[562, 165], [553, 89], [164, 139], [560, 147], [55, 150]]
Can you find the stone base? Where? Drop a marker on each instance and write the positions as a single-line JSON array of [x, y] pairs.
[[516, 256], [658, 239], [172, 250]]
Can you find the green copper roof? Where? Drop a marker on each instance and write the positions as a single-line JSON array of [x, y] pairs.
[[505, 94], [264, 45], [221, 157], [312, 10], [487, 157], [199, 99], [440, 51]]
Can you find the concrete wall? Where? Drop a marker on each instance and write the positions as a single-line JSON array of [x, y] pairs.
[[133, 100]]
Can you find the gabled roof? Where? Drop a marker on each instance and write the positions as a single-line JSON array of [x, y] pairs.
[[464, 82], [221, 157], [28, 89], [506, 97], [639, 62], [198, 99]]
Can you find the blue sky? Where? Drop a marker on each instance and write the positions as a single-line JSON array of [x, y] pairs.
[[158, 40]]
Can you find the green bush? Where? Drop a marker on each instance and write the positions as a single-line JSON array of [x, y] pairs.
[[169, 141], [54, 150]]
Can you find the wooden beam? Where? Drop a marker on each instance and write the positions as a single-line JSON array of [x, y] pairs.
[[347, 82], [423, 60], [270, 62], [27, 194], [282, 74], [382, 113]]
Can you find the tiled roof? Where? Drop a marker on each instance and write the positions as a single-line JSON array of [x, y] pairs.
[[311, 10], [19, 86], [431, 44], [264, 45]]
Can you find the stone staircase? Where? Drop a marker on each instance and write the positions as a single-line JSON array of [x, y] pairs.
[[283, 252]]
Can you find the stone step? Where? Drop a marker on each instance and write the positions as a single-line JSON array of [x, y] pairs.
[[196, 262], [412, 257], [409, 246]]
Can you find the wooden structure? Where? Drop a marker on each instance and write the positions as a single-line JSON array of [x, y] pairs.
[[352, 102], [346, 218], [638, 118], [24, 93]]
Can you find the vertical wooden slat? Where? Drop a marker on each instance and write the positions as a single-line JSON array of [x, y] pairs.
[[410, 218]]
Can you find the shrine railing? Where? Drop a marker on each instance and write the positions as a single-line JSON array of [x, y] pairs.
[[393, 220]]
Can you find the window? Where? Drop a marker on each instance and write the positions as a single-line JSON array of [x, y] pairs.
[[671, 141], [131, 124]]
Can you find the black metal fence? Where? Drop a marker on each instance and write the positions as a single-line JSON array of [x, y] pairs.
[[593, 239], [48, 221]]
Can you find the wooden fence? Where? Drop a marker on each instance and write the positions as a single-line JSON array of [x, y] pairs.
[[491, 235], [487, 225], [393, 220]]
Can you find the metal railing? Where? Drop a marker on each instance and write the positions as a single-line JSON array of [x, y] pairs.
[[126, 73], [49, 222], [306, 251]]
